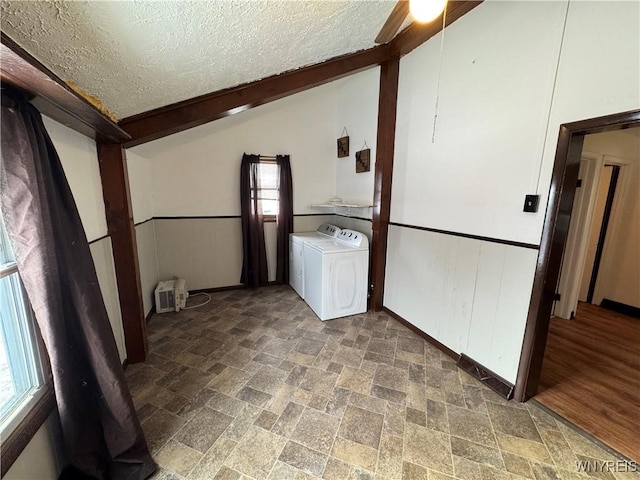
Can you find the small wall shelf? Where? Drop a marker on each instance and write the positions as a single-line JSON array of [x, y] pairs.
[[344, 209]]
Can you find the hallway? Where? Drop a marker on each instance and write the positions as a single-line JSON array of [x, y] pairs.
[[591, 375]]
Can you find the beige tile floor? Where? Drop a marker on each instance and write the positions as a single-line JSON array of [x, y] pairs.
[[254, 386]]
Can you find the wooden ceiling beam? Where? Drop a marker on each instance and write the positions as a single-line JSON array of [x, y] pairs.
[[416, 34], [197, 111], [51, 96], [394, 22]]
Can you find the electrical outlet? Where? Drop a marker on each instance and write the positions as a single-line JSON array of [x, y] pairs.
[[531, 203]]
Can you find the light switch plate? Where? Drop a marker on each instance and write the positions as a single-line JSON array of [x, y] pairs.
[[531, 203]]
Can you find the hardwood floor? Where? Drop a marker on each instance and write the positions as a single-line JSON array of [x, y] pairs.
[[591, 376]]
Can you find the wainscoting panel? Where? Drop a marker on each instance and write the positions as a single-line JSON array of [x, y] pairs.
[[310, 223], [430, 282], [503, 292], [103, 260], [205, 251], [471, 295], [352, 223], [148, 262]]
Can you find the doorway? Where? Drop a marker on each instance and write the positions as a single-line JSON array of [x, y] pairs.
[[554, 238], [603, 203], [592, 352]]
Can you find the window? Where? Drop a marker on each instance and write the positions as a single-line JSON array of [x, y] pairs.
[[268, 188], [21, 372]]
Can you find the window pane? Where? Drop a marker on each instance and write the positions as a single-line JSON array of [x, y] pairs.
[[19, 365], [268, 176], [268, 188], [268, 195], [7, 390], [270, 207], [6, 254]]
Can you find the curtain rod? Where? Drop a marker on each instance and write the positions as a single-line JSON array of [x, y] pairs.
[[267, 157]]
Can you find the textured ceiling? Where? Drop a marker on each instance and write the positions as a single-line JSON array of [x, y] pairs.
[[139, 55]]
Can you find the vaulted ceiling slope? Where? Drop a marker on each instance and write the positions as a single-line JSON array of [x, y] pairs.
[[137, 56]]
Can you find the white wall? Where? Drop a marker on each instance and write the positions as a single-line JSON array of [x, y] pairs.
[[497, 78], [463, 292], [80, 163], [196, 173], [358, 98], [311, 223], [141, 191], [619, 275], [102, 254], [599, 70], [139, 169], [358, 112], [358, 224], [496, 97], [207, 252], [43, 457], [148, 263]]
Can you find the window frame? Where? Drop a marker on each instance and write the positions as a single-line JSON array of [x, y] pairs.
[[32, 411]]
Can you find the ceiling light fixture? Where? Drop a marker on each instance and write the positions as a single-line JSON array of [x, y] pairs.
[[426, 10]]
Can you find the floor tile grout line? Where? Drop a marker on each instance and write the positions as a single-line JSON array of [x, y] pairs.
[[582, 434], [237, 442], [336, 437], [287, 440], [449, 436], [495, 437], [553, 460]]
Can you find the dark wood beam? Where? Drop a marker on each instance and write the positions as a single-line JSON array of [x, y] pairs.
[[181, 116], [416, 34], [51, 96], [117, 202], [387, 105], [394, 22]]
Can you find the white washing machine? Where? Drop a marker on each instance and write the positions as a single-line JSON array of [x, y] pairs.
[[336, 274], [325, 231]]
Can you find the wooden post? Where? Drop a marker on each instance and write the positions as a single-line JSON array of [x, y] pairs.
[[117, 202], [387, 106]]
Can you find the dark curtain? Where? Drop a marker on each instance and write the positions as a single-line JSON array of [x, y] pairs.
[[285, 217], [102, 434], [254, 258]]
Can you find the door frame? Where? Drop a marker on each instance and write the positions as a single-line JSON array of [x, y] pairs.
[[553, 241], [582, 216]]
